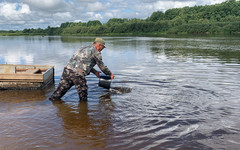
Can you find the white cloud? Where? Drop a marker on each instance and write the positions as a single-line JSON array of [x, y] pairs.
[[209, 2], [95, 7], [13, 11], [216, 1], [109, 15], [98, 16], [94, 16], [165, 5], [62, 16], [45, 5]]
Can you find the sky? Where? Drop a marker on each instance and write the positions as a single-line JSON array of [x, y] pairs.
[[22, 14]]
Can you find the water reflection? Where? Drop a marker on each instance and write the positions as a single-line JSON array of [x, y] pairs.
[[88, 128], [198, 49], [17, 96], [31, 49], [75, 39]]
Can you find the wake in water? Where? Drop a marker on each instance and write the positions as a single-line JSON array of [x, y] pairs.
[[119, 90], [115, 90], [106, 102]]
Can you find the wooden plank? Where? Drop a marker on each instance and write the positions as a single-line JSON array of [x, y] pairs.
[[49, 79], [30, 71], [20, 85], [18, 80], [25, 67], [41, 67], [9, 69], [48, 74], [21, 77]]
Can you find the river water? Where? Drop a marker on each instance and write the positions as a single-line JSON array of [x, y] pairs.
[[168, 93]]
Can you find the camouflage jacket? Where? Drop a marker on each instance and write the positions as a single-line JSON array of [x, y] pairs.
[[84, 59]]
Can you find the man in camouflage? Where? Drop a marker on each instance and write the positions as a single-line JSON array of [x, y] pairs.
[[79, 66]]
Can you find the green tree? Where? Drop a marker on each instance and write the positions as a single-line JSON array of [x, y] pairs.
[[50, 30], [115, 21], [156, 16], [172, 13], [94, 23]]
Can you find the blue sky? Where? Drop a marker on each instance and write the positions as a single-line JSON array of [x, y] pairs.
[[21, 14]]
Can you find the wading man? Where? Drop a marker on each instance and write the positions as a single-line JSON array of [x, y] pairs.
[[78, 67]]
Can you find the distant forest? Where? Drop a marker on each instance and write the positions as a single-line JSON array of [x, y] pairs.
[[221, 18]]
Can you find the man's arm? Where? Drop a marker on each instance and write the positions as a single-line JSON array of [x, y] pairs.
[[94, 71], [101, 65]]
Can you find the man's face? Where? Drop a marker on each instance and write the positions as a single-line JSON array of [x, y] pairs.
[[101, 47]]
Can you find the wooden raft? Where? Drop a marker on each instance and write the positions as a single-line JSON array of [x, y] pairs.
[[25, 76]]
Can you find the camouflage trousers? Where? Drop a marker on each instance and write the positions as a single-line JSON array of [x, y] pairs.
[[68, 79]]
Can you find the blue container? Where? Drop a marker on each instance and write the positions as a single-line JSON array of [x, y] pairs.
[[105, 82]]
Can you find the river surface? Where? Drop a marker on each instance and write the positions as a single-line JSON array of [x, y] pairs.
[[168, 93]]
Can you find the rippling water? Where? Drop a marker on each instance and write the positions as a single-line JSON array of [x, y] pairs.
[[168, 93]]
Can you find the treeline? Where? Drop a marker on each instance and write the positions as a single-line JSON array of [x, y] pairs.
[[209, 19]]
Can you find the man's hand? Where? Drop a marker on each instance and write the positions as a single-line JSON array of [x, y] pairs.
[[112, 76], [98, 74]]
